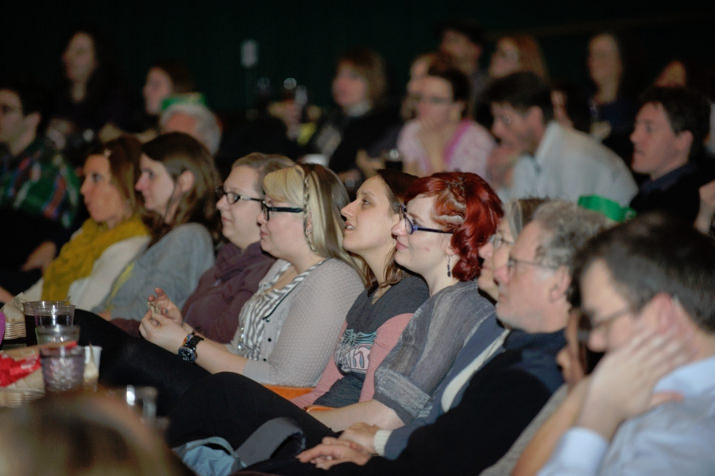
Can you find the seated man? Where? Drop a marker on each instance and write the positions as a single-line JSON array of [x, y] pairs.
[[668, 142], [479, 412], [639, 289], [39, 191], [195, 119], [551, 160]]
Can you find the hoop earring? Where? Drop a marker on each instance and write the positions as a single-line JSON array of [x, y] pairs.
[[449, 266]]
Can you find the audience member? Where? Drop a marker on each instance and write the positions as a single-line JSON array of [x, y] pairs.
[[82, 434], [39, 190], [441, 138], [668, 141], [556, 161], [517, 53], [195, 119], [90, 95], [648, 408], [613, 111], [107, 241], [462, 40], [705, 221], [358, 89], [495, 253]]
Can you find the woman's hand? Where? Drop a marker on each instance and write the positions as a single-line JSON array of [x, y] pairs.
[[362, 434], [334, 451], [162, 331], [704, 220], [165, 306]]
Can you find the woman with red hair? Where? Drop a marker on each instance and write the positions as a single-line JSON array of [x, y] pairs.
[[448, 216]]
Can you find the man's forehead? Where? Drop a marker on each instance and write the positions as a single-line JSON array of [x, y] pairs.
[[527, 241], [595, 280]]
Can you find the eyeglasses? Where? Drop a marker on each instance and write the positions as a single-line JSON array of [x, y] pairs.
[[512, 262], [410, 227], [588, 325], [232, 197], [497, 240], [8, 109], [267, 210], [418, 98]]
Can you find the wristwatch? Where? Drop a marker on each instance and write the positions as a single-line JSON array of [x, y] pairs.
[[188, 351]]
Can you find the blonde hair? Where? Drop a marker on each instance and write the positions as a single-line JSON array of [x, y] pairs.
[[322, 195]]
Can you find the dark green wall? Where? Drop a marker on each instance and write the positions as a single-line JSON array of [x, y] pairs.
[[302, 39]]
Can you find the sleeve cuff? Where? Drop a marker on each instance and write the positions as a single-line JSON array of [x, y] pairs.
[[380, 441], [580, 451]]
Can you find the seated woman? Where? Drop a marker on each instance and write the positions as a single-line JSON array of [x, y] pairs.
[[441, 138], [284, 337], [89, 263], [177, 180], [240, 264], [448, 217]]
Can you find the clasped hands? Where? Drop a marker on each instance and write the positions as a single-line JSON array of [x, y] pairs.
[[355, 445]]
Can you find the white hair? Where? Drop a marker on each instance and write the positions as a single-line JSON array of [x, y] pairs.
[[208, 131]]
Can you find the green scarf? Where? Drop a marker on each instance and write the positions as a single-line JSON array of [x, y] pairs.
[[77, 257]]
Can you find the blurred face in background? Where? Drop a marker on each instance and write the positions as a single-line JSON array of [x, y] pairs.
[[505, 59], [103, 199], [604, 59], [79, 58], [158, 87], [350, 88], [436, 107]]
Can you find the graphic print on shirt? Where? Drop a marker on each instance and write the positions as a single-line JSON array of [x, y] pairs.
[[353, 353]]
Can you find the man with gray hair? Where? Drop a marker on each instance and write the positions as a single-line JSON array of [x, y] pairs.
[[194, 119], [480, 409]]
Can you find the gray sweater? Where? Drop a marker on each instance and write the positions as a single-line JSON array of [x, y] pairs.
[[429, 344], [175, 263]]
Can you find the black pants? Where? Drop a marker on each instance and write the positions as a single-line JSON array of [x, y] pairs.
[[128, 360], [232, 406]]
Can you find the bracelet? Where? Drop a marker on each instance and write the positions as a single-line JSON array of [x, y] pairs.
[[188, 338]]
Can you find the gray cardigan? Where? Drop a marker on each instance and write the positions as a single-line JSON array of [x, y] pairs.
[[174, 263], [428, 346]]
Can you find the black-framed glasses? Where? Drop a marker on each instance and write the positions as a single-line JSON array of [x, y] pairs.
[[512, 262], [232, 197], [268, 209], [410, 227]]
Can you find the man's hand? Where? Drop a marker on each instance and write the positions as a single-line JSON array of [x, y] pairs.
[[622, 384], [362, 434], [334, 451], [704, 220]]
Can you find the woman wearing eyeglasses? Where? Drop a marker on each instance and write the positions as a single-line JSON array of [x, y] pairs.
[[441, 138], [287, 329]]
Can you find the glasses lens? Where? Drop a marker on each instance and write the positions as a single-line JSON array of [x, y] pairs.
[[264, 209]]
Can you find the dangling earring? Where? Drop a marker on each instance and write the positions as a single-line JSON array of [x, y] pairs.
[[449, 266]]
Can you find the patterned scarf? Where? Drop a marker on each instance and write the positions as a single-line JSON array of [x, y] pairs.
[[77, 257]]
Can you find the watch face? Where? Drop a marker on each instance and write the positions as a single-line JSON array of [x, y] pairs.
[[187, 353]]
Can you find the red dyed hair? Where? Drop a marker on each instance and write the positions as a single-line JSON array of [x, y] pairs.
[[468, 207]]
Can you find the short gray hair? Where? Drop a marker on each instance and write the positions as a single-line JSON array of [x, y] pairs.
[[567, 227], [208, 129]]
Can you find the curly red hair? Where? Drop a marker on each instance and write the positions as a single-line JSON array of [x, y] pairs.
[[468, 207]]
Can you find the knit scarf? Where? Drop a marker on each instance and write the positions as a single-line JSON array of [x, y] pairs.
[[77, 257]]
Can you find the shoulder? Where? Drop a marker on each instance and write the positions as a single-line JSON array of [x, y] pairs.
[[463, 295], [475, 130], [332, 269], [188, 231]]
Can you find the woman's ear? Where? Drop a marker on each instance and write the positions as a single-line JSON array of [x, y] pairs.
[[185, 182]]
